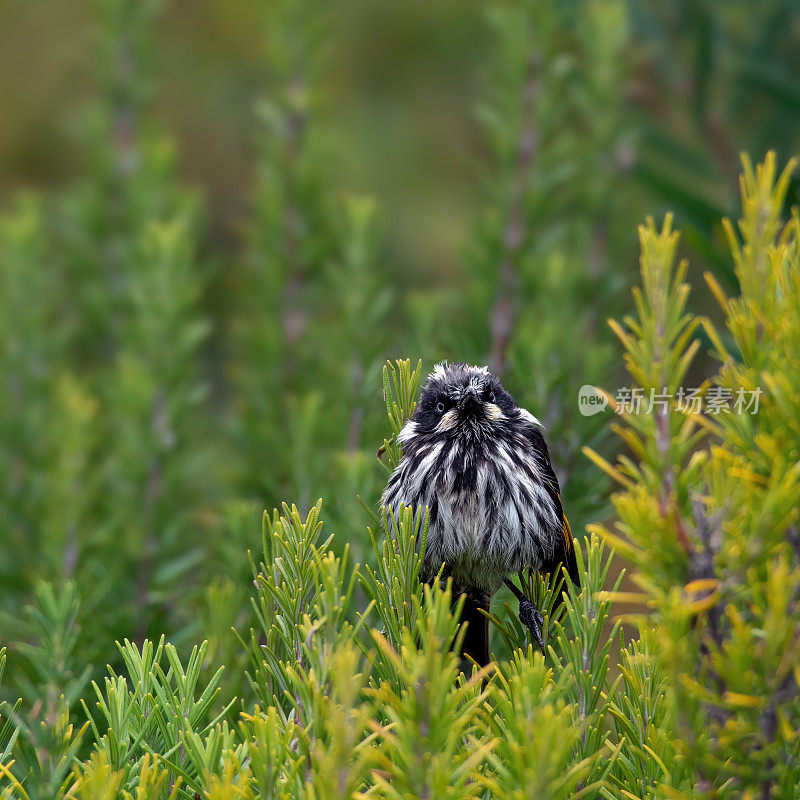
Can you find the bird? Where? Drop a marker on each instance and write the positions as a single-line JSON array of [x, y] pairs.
[[481, 465]]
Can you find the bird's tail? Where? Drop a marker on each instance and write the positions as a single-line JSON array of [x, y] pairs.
[[476, 638]]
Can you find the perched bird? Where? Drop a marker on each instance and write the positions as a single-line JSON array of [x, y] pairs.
[[481, 465]]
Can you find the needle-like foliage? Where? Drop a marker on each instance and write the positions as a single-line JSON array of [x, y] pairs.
[[708, 516], [173, 361]]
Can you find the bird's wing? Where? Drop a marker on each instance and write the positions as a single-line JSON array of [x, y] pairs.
[[565, 547]]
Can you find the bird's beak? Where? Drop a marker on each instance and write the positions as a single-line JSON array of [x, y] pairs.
[[470, 402]]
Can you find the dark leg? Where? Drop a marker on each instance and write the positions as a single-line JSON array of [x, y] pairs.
[[529, 615], [476, 637]]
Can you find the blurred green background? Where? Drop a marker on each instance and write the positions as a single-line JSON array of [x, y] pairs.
[[220, 218]]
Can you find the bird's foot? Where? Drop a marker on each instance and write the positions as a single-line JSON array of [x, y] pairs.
[[530, 617]]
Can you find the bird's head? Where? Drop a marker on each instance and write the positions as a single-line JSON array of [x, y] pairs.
[[461, 400]]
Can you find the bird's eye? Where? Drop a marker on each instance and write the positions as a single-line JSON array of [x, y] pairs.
[[440, 407], [491, 395]]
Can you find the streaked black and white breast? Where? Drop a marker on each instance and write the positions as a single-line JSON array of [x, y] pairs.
[[481, 465]]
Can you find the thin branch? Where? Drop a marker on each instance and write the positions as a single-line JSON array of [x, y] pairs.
[[503, 312], [294, 316]]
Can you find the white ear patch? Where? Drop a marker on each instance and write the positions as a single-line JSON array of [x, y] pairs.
[[409, 431], [494, 412], [448, 421], [526, 415]]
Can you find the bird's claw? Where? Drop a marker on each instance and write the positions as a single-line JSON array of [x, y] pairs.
[[530, 617]]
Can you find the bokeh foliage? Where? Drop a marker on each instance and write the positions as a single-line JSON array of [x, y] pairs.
[[175, 359]]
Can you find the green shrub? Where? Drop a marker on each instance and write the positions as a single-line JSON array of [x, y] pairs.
[[353, 700], [164, 381]]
